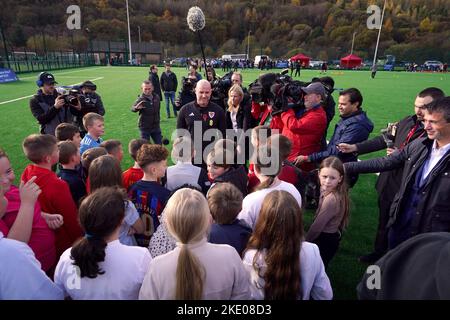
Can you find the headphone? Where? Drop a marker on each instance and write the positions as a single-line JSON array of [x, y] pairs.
[[39, 81]]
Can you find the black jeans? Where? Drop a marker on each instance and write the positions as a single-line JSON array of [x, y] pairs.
[[155, 134], [328, 244]]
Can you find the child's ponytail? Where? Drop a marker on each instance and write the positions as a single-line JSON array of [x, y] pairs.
[[101, 213]]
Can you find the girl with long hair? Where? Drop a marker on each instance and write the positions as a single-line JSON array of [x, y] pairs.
[[195, 269], [281, 264], [332, 214], [98, 266]]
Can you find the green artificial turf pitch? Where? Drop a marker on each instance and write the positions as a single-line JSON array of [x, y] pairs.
[[387, 98]]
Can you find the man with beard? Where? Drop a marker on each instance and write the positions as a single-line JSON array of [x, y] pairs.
[[388, 183]]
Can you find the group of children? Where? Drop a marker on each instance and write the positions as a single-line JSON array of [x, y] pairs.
[[159, 232]]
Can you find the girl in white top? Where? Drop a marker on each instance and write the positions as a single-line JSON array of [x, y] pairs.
[[281, 265], [267, 166], [98, 266], [195, 269], [105, 172]]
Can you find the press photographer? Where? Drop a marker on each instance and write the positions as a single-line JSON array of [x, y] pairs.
[[49, 108], [147, 105], [90, 102], [187, 93], [220, 88]]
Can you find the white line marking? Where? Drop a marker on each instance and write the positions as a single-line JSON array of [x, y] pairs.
[[57, 74], [21, 98]]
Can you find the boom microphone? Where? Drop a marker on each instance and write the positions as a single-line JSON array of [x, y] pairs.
[[195, 19]]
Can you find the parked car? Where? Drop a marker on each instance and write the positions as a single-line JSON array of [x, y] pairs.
[[433, 65], [282, 64], [316, 64], [178, 62]]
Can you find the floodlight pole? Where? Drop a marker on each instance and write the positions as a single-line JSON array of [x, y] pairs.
[[4, 46], [129, 34], [353, 41], [379, 33], [248, 44]]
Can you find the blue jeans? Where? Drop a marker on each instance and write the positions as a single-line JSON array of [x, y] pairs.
[[155, 134], [171, 95]]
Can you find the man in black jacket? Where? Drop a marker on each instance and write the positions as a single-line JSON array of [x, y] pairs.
[[198, 117], [422, 203], [49, 108], [388, 183], [169, 85], [90, 102], [148, 105], [153, 77]]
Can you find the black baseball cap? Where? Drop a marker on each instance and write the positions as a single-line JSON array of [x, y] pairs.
[[88, 84], [47, 78]]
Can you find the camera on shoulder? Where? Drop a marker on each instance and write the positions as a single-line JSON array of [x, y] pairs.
[[70, 94]]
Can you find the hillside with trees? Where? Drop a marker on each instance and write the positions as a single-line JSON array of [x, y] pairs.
[[412, 29]]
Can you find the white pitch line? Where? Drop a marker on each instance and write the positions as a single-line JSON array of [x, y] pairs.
[[68, 72], [21, 98]]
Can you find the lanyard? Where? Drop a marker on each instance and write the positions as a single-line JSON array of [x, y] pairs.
[[410, 135]]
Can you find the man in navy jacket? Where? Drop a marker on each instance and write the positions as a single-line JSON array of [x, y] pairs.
[[353, 127]]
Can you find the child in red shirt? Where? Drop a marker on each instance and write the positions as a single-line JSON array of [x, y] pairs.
[[135, 173], [21, 219], [55, 198]]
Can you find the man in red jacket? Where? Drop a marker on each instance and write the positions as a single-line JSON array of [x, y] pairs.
[[42, 150], [305, 128]]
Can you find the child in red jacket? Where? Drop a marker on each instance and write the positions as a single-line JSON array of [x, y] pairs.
[[42, 150]]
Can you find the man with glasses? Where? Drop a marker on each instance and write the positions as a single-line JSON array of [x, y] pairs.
[[388, 184]]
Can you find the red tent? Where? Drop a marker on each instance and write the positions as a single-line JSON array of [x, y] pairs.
[[351, 61], [304, 60]]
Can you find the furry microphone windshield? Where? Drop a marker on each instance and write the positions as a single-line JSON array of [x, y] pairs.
[[196, 19]]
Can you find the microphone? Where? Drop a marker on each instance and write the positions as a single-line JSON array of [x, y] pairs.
[[195, 19], [165, 141]]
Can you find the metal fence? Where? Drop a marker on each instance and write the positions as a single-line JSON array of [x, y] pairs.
[[30, 62]]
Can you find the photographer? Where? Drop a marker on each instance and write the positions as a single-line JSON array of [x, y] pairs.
[[304, 127], [90, 102], [49, 108], [187, 93], [388, 183], [220, 87], [148, 105]]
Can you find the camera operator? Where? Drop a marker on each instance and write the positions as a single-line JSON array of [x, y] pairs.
[[90, 102], [329, 105], [148, 105], [49, 108], [304, 127], [187, 93], [388, 183]]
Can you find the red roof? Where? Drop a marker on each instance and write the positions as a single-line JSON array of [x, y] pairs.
[[351, 61]]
